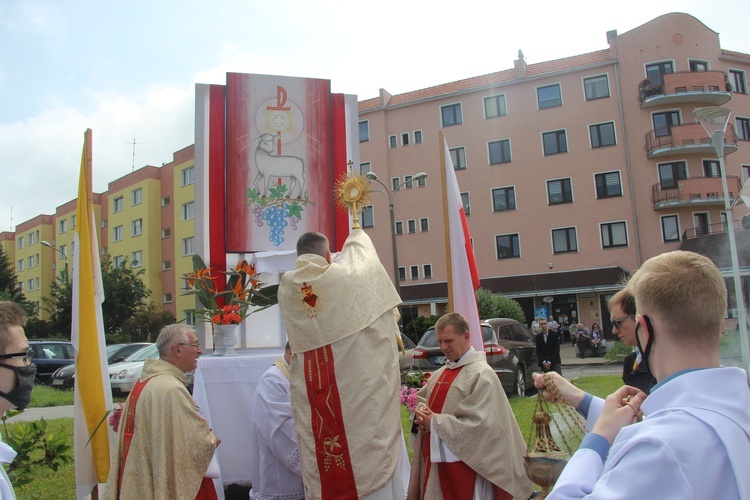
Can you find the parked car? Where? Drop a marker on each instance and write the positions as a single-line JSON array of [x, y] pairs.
[[122, 375], [49, 355], [404, 358], [64, 378], [508, 345]]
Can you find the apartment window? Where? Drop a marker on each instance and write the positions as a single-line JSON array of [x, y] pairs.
[[137, 258], [31, 238], [670, 173], [663, 122], [399, 227], [738, 81], [564, 240], [20, 265], [165, 201], [451, 114], [602, 134], [608, 185], [31, 284], [30, 262], [166, 232], [20, 286], [408, 182], [105, 250], [405, 139], [368, 218], [117, 233], [188, 176], [20, 242], [64, 250], [137, 196], [458, 157], [670, 228], [711, 168], [560, 191], [422, 181], [188, 210], [189, 318], [698, 66], [62, 227], [411, 226], [117, 204], [136, 228], [166, 265], [554, 142], [424, 224], [596, 87], [364, 131], [700, 223], [417, 137], [508, 246], [36, 260], [494, 106], [118, 261], [36, 283], [187, 246], [614, 234], [72, 225], [745, 173], [427, 271], [167, 298], [393, 141], [743, 129], [656, 70], [414, 272], [395, 183], [72, 248], [503, 199], [549, 96], [104, 223], [499, 151], [402, 273], [466, 200], [365, 167]]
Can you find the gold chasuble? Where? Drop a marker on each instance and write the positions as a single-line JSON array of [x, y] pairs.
[[164, 445], [341, 323], [474, 420]]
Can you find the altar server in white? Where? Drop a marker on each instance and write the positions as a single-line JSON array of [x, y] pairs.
[[276, 467], [694, 437]]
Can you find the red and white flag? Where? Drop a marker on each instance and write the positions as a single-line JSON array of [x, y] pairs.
[[463, 277]]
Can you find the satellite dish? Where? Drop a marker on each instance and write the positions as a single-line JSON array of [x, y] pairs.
[[547, 299]]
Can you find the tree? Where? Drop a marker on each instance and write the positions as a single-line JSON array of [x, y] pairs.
[[494, 305], [145, 325], [9, 289], [418, 326], [125, 295]]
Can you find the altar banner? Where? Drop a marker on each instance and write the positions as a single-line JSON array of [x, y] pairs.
[[279, 160]]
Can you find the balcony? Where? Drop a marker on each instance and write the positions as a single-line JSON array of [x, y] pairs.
[[705, 87], [694, 191], [686, 139], [713, 242]]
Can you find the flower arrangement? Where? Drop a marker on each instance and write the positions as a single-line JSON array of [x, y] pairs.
[[230, 306], [114, 417], [413, 381]]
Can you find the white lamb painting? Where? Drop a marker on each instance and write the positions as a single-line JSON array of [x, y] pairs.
[[271, 167]]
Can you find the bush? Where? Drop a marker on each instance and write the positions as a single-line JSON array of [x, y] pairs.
[[36, 448], [618, 351], [495, 305], [421, 324]]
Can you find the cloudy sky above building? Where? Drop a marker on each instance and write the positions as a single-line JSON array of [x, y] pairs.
[[128, 70]]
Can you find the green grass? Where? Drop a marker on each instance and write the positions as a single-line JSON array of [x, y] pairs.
[[44, 395], [60, 485]]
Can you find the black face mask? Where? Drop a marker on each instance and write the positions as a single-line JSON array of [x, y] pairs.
[[20, 397], [645, 352]]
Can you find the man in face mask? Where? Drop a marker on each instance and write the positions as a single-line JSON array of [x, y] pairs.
[[16, 376]]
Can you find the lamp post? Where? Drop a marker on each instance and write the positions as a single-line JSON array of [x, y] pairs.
[[391, 194], [714, 120], [53, 247]]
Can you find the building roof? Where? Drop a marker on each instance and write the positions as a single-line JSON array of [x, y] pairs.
[[477, 82], [579, 281]]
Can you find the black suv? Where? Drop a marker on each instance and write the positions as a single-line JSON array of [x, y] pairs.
[[49, 355]]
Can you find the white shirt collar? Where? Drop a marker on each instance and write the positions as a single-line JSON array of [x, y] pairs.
[[451, 365]]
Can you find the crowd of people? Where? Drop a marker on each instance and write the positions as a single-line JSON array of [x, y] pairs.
[[679, 428]]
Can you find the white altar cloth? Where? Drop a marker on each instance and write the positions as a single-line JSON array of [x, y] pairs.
[[223, 390]]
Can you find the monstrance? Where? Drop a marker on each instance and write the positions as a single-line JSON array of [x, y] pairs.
[[545, 459], [353, 193]]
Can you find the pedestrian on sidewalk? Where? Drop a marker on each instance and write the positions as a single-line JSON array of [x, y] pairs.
[[548, 349]]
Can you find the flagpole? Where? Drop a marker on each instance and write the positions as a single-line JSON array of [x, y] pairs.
[[446, 222], [87, 165]]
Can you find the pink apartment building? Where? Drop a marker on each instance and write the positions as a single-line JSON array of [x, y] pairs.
[[573, 171]]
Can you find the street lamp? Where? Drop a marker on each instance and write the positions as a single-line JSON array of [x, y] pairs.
[[391, 194], [53, 247], [714, 120]]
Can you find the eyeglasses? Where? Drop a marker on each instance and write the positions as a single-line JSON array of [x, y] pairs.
[[192, 344], [617, 322], [25, 356]]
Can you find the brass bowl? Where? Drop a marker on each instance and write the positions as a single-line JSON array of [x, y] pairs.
[[544, 468]]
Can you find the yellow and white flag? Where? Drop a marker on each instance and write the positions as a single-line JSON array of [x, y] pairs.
[[93, 396]]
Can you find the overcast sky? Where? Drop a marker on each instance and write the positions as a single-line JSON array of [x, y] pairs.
[[128, 70]]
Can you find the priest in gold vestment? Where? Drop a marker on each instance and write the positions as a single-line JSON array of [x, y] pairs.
[[164, 445], [469, 444], [340, 318]]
